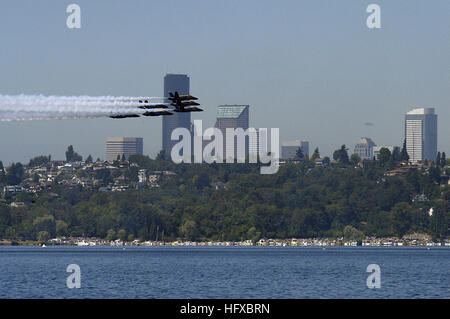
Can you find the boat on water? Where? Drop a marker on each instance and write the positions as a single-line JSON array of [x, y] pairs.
[[82, 243]]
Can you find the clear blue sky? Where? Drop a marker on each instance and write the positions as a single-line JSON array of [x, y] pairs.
[[311, 68]]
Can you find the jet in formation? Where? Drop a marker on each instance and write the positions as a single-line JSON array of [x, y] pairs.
[[183, 103], [177, 103]]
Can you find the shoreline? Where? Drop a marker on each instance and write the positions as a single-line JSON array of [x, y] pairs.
[[96, 242]]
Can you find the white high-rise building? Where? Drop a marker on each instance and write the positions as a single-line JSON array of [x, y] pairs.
[[123, 146], [364, 148], [421, 134]]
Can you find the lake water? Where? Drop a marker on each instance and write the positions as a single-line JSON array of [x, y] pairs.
[[224, 272]]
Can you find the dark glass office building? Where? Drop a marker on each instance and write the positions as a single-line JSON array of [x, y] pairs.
[[180, 83]]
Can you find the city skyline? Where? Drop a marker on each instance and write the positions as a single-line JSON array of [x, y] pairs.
[[237, 119], [317, 72]]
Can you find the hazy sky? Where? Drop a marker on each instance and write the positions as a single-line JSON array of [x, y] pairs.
[[311, 68]]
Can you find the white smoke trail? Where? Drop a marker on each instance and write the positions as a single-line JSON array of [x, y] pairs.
[[39, 107], [80, 97]]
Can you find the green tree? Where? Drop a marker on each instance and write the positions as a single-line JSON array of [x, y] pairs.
[[43, 236], [253, 234], [45, 223], [11, 233], [401, 216], [201, 180], [131, 174], [2, 174], [39, 160], [122, 234], [189, 230], [438, 159], [15, 174], [72, 156], [299, 153], [61, 228], [103, 174], [384, 157], [341, 155], [396, 155], [142, 160], [111, 235], [355, 159], [69, 153], [351, 233], [88, 159], [315, 155], [440, 220], [404, 153]]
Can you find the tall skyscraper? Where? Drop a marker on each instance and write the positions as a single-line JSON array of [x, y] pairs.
[[180, 83], [233, 116], [120, 146], [421, 134], [364, 148], [305, 147]]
